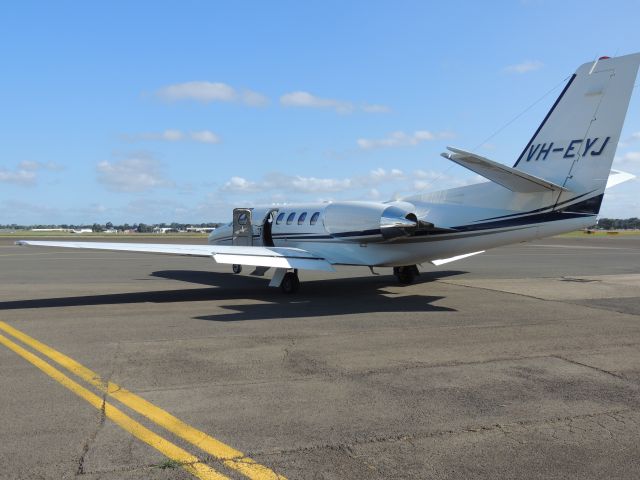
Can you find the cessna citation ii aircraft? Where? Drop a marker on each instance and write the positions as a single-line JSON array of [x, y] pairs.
[[556, 185]]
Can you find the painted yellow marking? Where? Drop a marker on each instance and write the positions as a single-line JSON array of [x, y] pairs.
[[231, 457], [187, 461]]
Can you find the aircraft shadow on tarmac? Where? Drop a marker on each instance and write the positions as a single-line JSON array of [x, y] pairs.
[[315, 298]]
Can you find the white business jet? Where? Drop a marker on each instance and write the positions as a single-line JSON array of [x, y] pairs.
[[556, 185]]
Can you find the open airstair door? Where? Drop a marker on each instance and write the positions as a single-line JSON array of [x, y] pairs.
[[242, 227]]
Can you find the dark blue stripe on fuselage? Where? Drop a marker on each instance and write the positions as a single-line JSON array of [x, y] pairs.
[[538, 209], [531, 219]]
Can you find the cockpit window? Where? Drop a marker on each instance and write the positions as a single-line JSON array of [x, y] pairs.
[[280, 218], [301, 218], [242, 219], [290, 218], [314, 218]]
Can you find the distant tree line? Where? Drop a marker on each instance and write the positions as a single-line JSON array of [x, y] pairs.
[[619, 223], [99, 227]]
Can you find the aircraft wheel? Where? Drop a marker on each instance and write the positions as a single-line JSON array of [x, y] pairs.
[[236, 268], [406, 275], [290, 283]]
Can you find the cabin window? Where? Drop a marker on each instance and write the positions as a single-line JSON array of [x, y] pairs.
[[314, 218], [290, 218], [280, 218], [301, 218], [242, 219]]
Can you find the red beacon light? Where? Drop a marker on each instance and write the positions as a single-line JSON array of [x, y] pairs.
[[604, 58]]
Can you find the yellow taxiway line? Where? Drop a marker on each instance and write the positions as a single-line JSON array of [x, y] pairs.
[[187, 461], [231, 457]]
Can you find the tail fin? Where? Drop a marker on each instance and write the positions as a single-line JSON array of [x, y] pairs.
[[576, 142]]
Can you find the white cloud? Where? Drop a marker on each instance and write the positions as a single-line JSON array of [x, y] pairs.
[[26, 173], [402, 139], [303, 99], [314, 185], [307, 100], [628, 160], [300, 184], [380, 175], [21, 212], [253, 99], [524, 67], [622, 201], [135, 174], [33, 166], [280, 181], [202, 136], [207, 92], [634, 137], [239, 184], [375, 108], [18, 177]]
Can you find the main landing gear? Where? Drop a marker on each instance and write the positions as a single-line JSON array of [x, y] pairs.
[[290, 282], [407, 274], [286, 279]]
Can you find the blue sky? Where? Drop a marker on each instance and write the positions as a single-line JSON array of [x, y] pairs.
[[177, 111]]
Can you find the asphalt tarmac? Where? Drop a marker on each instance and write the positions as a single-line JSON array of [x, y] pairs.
[[520, 363]]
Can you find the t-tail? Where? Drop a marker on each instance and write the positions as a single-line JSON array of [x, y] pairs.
[[575, 144]]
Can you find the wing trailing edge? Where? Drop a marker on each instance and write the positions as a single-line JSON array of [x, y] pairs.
[[510, 178], [279, 257]]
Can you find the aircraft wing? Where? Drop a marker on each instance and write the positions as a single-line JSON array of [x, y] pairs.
[[278, 257], [511, 178]]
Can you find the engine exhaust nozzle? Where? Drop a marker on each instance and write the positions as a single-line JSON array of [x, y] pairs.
[[395, 222]]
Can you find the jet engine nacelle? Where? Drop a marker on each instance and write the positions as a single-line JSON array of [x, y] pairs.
[[369, 221]]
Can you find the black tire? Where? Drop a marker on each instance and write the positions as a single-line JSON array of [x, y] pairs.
[[406, 275], [290, 283], [236, 268]]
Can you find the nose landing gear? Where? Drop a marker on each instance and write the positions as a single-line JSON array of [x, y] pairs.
[[236, 268], [407, 274]]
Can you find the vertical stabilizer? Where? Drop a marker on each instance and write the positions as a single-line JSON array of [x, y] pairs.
[[576, 142]]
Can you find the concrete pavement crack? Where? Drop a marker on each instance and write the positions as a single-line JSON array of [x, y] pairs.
[[601, 370], [480, 429], [101, 421], [92, 437]]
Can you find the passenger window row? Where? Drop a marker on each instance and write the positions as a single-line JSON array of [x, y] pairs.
[[301, 218]]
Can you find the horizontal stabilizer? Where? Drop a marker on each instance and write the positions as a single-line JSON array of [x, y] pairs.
[[280, 257], [510, 178], [442, 261], [616, 177]]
